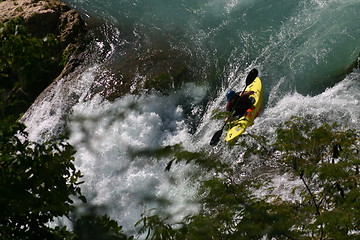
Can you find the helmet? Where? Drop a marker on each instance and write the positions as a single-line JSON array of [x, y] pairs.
[[230, 95]]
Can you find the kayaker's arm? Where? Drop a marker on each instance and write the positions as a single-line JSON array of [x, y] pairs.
[[246, 93], [230, 118]]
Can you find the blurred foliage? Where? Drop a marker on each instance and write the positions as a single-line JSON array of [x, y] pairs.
[[326, 158], [89, 223], [324, 206], [27, 65], [39, 183], [220, 115], [36, 182], [177, 154]]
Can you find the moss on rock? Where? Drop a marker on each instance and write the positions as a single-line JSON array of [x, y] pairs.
[[37, 39]]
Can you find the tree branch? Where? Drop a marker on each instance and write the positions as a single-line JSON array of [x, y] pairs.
[[313, 200]]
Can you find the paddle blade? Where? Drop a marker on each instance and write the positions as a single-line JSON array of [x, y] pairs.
[[216, 138], [251, 76]]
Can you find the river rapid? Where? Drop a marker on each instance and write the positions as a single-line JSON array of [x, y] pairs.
[[302, 49]]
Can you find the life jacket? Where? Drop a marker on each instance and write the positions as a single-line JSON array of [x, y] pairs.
[[238, 105]]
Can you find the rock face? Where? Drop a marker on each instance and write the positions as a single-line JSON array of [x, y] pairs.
[[44, 17], [49, 17]]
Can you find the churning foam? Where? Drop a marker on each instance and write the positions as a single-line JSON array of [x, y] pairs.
[[106, 134]]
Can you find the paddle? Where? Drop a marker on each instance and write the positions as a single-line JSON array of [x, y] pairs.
[[215, 139], [249, 79]]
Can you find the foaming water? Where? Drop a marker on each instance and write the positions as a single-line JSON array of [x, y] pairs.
[[296, 46], [107, 135], [337, 104], [47, 117]]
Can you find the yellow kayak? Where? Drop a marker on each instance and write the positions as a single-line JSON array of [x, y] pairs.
[[238, 126]]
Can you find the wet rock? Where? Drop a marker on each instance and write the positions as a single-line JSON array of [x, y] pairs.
[[42, 18], [45, 17], [140, 67]]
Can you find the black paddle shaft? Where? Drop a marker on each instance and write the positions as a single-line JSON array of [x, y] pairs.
[[249, 79]]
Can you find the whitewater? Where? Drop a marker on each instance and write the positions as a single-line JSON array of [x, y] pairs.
[[301, 49]]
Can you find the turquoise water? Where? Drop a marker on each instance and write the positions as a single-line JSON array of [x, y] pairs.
[[307, 42], [300, 47]]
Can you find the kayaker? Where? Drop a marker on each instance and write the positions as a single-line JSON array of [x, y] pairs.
[[238, 102]]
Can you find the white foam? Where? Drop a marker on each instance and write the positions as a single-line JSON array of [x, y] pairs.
[[105, 133], [47, 116], [336, 104]]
